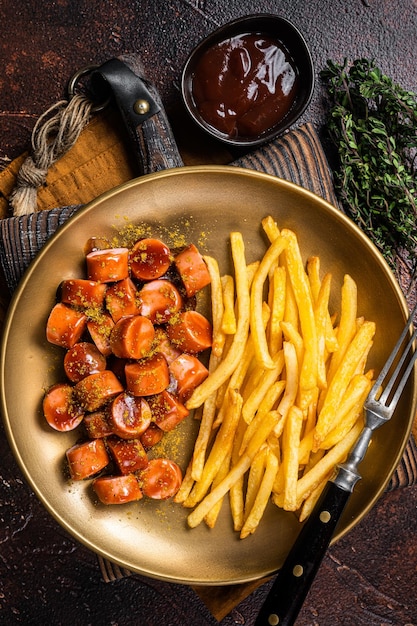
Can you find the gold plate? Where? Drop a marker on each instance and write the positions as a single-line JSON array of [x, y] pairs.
[[205, 204]]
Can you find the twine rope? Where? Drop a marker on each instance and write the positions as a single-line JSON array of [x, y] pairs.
[[54, 133]]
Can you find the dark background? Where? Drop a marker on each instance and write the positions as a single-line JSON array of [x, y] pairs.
[[370, 577]]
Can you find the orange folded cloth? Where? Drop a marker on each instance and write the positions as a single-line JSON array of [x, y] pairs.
[[97, 162]]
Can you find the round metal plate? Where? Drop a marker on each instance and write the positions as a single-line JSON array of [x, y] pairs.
[[203, 204]]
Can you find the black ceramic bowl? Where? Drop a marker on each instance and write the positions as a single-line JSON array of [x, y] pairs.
[[272, 27]]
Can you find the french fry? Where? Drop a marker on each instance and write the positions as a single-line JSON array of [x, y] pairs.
[[238, 376], [347, 325], [254, 376], [341, 379], [208, 413], [292, 375], [186, 485], [349, 410], [254, 371], [290, 445], [227, 366], [321, 312], [262, 496], [236, 493], [308, 428], [274, 444], [255, 398], [229, 317], [292, 335], [221, 391], [313, 272], [339, 432], [203, 438], [308, 482], [315, 457], [211, 517], [277, 307], [251, 270], [270, 228], [256, 299], [255, 476], [303, 298], [235, 381], [236, 472], [217, 306], [310, 421], [291, 314], [222, 445], [362, 363], [271, 396]]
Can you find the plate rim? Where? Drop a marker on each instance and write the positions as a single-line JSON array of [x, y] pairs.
[[90, 206]]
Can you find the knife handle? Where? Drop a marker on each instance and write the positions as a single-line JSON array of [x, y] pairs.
[[141, 110], [296, 576]]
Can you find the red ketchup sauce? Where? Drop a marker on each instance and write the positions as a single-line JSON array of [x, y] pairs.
[[245, 85]]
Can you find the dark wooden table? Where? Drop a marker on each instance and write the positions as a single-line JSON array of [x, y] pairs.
[[369, 578]]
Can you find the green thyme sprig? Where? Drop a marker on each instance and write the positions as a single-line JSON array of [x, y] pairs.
[[373, 124]]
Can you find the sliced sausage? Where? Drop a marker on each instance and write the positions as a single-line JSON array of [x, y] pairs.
[[87, 459], [96, 243], [147, 376], [82, 292], [159, 300], [96, 390], [188, 372], [152, 435], [149, 259], [61, 409], [129, 416], [167, 411], [97, 425], [117, 489], [190, 331], [65, 325], [100, 328], [164, 346], [122, 299], [83, 359], [192, 269], [161, 479], [132, 337], [129, 455], [108, 265]]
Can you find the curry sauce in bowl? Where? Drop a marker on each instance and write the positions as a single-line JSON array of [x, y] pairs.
[[249, 81]]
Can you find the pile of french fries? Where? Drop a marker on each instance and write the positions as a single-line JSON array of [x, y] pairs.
[[283, 403]]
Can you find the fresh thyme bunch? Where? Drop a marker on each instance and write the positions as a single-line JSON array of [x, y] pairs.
[[373, 124]]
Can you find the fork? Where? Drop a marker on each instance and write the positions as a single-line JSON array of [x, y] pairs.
[[296, 576]]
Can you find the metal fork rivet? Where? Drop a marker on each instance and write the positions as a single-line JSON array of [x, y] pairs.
[[273, 619], [141, 107], [325, 517], [298, 571]]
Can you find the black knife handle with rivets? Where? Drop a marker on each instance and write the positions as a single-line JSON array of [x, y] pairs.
[[296, 576]]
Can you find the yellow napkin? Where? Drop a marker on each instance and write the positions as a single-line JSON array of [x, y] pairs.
[[99, 161]]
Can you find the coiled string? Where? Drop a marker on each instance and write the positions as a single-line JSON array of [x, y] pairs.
[[55, 132]]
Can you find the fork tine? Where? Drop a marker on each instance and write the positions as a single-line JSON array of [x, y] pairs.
[[393, 379], [387, 366], [403, 382]]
